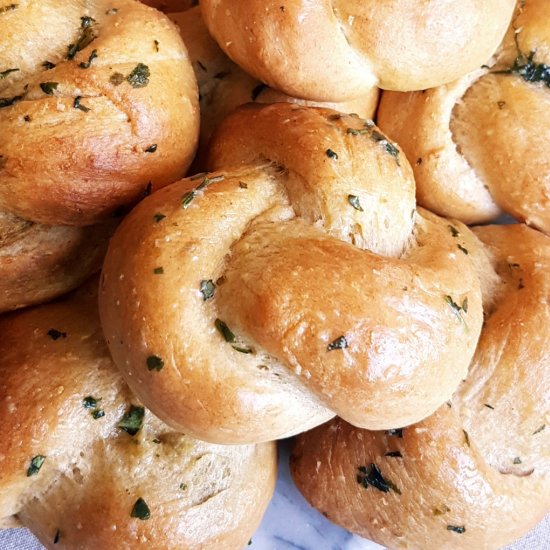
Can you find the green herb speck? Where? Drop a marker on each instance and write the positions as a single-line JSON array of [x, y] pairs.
[[207, 288], [141, 510], [36, 464], [139, 77], [154, 362], [132, 420], [49, 87], [354, 201]]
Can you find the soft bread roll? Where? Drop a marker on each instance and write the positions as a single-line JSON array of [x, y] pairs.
[[39, 262], [223, 86], [92, 133], [73, 468], [479, 146], [476, 474], [333, 51], [262, 299]]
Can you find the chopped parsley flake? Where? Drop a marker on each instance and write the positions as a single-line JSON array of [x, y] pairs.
[[48, 65], [456, 308], [331, 154], [394, 454], [139, 77], [79, 106], [188, 198], [243, 350], [530, 71], [55, 334], [4, 74], [373, 476], [207, 288], [9, 101], [395, 432], [354, 201], [517, 460], [141, 510], [158, 271], [56, 537], [36, 464], [456, 528], [132, 420], [86, 65], [87, 36], [98, 413], [158, 217], [154, 362], [339, 343], [462, 249], [90, 402], [151, 148], [225, 331], [49, 87]]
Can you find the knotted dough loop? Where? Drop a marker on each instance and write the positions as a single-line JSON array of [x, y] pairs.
[[479, 146], [101, 107], [337, 50], [261, 300], [476, 474], [223, 86], [84, 465]]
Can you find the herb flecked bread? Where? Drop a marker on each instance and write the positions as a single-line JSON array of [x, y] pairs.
[[476, 474], [39, 262], [101, 108], [480, 146], [295, 284], [337, 50], [223, 86], [84, 465]]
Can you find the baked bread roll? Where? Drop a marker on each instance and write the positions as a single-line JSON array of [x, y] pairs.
[[84, 465], [264, 298], [39, 262], [476, 474], [98, 102], [223, 86], [479, 146], [334, 51]]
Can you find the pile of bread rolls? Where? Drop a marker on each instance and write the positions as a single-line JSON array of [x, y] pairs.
[[312, 275]]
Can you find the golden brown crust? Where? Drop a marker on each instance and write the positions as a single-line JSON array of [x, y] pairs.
[[65, 165], [479, 145], [223, 86], [199, 495], [276, 235], [38, 262], [332, 51], [481, 462]]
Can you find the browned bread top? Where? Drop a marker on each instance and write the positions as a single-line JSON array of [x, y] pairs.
[[84, 465], [337, 50], [101, 107]]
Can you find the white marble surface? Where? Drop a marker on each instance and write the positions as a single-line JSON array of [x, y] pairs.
[[290, 523]]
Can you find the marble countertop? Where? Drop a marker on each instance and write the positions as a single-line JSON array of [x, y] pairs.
[[290, 523]]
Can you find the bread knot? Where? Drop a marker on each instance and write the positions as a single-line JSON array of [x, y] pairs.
[[297, 283]]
